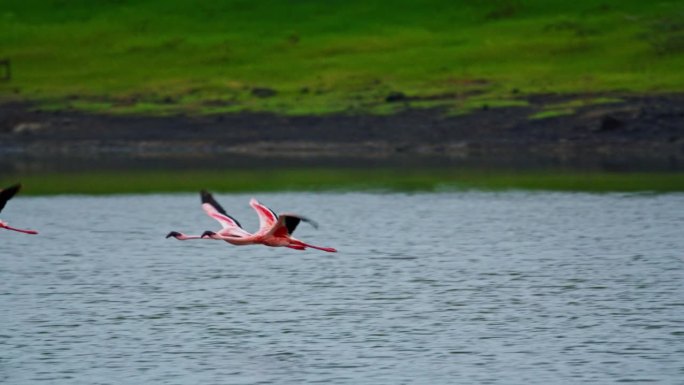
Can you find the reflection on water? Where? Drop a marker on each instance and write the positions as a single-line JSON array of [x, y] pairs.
[[521, 160], [499, 288]]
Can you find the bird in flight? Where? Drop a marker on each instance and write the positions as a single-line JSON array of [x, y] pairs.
[[274, 230], [6, 195]]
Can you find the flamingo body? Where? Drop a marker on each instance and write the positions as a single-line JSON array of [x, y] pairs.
[[274, 230]]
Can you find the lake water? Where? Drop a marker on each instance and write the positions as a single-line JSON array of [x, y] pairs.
[[438, 288]]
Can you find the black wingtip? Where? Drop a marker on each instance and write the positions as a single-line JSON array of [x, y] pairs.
[[292, 221], [208, 198], [205, 195], [8, 193], [313, 223], [173, 234], [11, 190], [208, 234]]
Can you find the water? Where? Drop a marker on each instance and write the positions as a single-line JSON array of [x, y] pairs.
[[442, 288]]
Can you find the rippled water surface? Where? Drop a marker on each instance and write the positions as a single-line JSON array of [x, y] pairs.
[[442, 288]]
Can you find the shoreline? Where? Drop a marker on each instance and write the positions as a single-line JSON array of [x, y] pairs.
[[633, 132]]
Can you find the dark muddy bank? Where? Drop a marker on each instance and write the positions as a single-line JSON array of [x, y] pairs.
[[637, 133]]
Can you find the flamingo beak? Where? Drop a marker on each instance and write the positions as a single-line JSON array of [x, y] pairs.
[[174, 234]]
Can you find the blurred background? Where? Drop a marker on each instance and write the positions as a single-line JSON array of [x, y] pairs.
[[444, 89]]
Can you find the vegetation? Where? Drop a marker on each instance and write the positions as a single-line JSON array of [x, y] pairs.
[[311, 56], [343, 180], [568, 108]]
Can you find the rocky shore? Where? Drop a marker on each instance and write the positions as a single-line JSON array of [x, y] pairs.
[[637, 132]]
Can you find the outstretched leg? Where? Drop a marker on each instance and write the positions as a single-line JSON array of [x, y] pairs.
[[302, 244], [6, 226]]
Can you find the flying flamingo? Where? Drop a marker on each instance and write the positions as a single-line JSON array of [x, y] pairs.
[[6, 195], [274, 230]]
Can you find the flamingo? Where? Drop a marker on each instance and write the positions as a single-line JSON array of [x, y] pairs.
[[274, 230], [6, 195]]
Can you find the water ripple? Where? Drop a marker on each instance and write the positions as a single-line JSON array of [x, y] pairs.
[[486, 288]]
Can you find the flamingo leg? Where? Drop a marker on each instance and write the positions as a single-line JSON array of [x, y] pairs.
[[19, 230], [327, 249]]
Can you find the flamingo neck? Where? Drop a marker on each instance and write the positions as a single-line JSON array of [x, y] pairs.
[[185, 237], [236, 240]]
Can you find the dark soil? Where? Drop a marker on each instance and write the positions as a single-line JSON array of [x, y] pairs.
[[641, 132]]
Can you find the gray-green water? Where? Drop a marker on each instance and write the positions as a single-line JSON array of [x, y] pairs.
[[440, 288]]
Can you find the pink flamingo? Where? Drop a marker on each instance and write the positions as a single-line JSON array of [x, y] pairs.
[[6, 195], [274, 230]]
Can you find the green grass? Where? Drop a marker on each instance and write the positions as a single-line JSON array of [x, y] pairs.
[[569, 108], [202, 57], [342, 180]]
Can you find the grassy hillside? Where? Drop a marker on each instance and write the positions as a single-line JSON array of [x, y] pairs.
[[324, 179], [311, 56]]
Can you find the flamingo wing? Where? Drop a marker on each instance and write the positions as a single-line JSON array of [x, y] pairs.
[[287, 223], [214, 210], [7, 194], [267, 217]]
